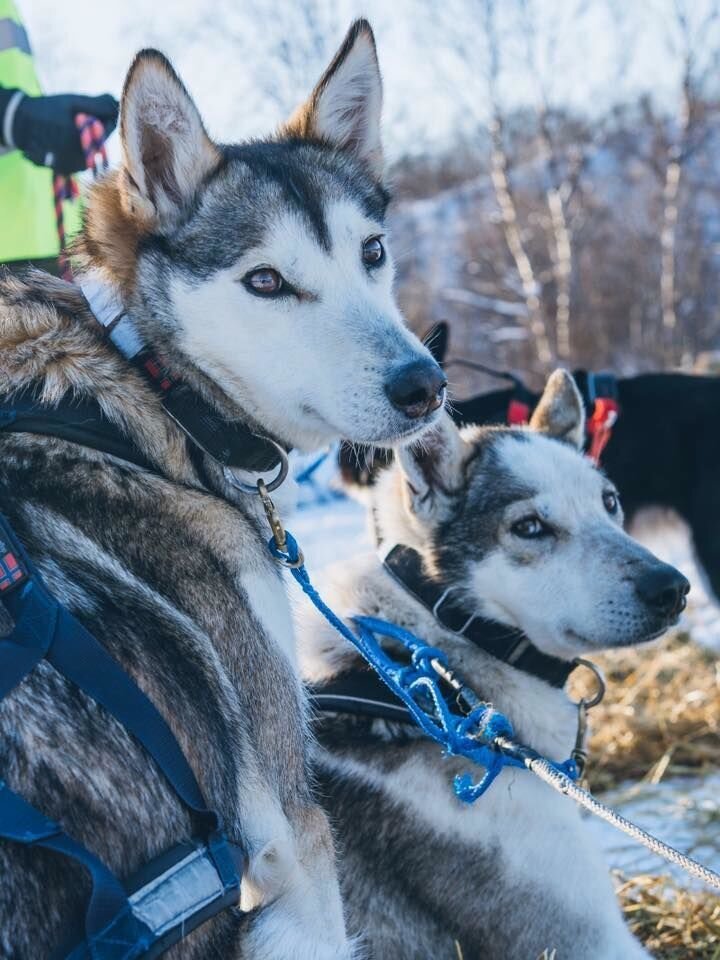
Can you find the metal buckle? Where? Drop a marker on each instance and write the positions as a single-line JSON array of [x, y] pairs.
[[278, 530], [435, 612]]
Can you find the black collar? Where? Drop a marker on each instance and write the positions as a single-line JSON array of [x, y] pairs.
[[230, 443], [81, 422], [500, 641]]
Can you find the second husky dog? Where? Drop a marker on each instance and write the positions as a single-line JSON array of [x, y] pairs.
[[521, 533]]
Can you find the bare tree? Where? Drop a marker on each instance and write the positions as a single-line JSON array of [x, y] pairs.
[[499, 167], [561, 179], [290, 57], [684, 40]]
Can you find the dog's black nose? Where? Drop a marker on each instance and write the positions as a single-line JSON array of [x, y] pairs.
[[417, 389], [664, 589]]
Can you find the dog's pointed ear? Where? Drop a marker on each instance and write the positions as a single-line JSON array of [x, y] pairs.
[[437, 340], [344, 108], [560, 413], [432, 468], [166, 151]]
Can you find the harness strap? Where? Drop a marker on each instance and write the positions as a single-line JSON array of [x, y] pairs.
[[600, 393], [600, 426], [108, 906], [45, 629], [169, 897], [81, 422], [361, 693], [505, 643]]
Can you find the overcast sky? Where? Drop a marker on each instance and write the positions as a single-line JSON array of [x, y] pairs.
[[247, 62]]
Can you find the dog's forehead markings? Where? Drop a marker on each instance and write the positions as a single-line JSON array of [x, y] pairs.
[[347, 227], [556, 471], [306, 178]]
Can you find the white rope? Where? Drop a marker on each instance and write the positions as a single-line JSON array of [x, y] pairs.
[[558, 781]]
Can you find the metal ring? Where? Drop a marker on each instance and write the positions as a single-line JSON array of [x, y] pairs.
[[597, 673], [273, 484]]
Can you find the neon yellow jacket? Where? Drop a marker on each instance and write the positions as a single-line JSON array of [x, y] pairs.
[[27, 211]]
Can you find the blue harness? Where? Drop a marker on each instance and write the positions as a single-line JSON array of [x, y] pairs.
[[186, 885]]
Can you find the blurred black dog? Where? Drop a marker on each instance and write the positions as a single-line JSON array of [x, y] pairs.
[[664, 449]]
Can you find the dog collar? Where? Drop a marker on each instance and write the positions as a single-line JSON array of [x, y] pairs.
[[502, 642], [231, 444]]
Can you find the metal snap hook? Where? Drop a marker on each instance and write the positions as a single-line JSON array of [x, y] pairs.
[[282, 550], [579, 752]]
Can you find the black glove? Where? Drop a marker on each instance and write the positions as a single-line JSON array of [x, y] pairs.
[[44, 128]]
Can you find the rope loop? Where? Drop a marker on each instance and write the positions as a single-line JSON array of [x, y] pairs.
[[487, 724], [423, 656], [290, 556]]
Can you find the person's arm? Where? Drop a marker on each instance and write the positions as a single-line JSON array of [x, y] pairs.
[[44, 127], [9, 102]]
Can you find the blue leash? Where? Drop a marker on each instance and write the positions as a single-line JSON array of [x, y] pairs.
[[474, 735]]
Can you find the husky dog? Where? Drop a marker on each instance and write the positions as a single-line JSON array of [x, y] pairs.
[[261, 275], [529, 536], [664, 450]]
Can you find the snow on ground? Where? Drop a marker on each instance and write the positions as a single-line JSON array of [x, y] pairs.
[[684, 812]]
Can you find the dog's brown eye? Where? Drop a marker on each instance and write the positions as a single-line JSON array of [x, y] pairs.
[[530, 528], [373, 252], [264, 281], [610, 499]]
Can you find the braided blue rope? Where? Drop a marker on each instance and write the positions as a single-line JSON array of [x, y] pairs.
[[416, 684]]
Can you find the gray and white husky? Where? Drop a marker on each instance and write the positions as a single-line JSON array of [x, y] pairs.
[[261, 275], [529, 535]]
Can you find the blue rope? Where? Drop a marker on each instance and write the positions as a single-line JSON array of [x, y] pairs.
[[416, 684]]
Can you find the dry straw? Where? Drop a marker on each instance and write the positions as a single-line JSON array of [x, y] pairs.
[[660, 716], [673, 923]]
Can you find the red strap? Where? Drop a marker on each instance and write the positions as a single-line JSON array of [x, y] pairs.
[[518, 413], [599, 426]]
